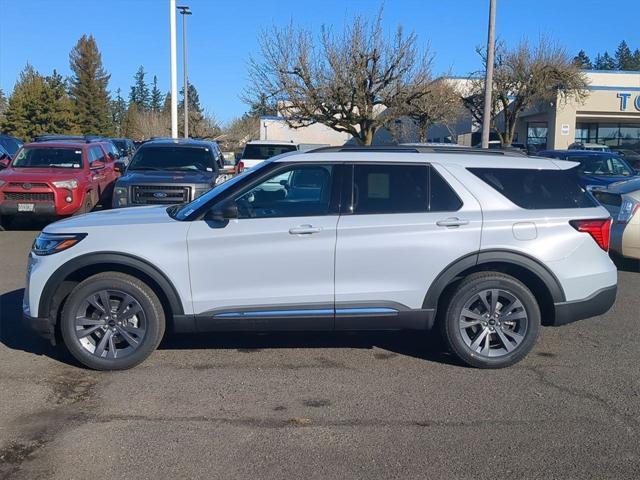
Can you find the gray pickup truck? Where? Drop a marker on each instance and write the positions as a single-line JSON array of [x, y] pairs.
[[170, 171]]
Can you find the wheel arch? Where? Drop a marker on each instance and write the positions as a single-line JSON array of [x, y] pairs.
[[530, 271], [64, 279]]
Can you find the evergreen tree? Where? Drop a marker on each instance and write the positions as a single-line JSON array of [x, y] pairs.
[[3, 105], [636, 60], [624, 57], [39, 105], [139, 93], [118, 112], [582, 60], [605, 62], [89, 87], [156, 96]]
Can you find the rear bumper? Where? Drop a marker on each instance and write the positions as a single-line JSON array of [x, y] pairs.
[[42, 326], [596, 304]]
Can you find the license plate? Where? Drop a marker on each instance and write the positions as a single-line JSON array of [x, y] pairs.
[[26, 207]]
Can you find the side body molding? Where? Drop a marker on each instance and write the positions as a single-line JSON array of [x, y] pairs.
[[112, 258], [522, 260]]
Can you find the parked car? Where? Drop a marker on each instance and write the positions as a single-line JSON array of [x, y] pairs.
[[596, 168], [622, 200], [257, 151], [56, 179], [593, 147], [631, 157], [484, 246], [10, 144], [167, 171], [126, 148]]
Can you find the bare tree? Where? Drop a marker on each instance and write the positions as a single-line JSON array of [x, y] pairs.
[[523, 78], [241, 130], [341, 80], [440, 105]]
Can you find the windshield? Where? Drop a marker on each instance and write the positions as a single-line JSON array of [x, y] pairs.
[[37, 157], [10, 145], [121, 145], [182, 212], [602, 165], [172, 158], [262, 152]]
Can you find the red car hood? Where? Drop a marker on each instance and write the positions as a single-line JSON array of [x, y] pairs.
[[42, 175]]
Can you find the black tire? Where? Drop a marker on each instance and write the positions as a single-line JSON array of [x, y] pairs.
[[459, 330], [118, 284], [87, 206]]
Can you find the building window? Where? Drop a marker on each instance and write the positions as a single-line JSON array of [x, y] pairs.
[[537, 136], [615, 135]]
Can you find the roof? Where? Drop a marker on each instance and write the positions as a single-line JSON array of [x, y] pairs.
[[177, 142], [60, 144], [625, 187], [576, 152], [461, 157], [270, 142]]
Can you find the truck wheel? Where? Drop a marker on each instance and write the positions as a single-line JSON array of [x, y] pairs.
[[87, 205], [492, 320], [112, 321]]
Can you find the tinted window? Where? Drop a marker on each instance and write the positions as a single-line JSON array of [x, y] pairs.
[[262, 152], [10, 145], [303, 190], [97, 155], [601, 165], [172, 158], [390, 189], [537, 189], [48, 158], [442, 197], [611, 199]]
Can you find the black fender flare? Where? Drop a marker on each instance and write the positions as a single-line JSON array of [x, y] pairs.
[[117, 258], [455, 268]]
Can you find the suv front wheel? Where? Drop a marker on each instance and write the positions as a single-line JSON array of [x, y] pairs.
[[112, 321], [492, 320]]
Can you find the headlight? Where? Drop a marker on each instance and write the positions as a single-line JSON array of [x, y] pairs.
[[49, 243], [68, 184], [120, 197]]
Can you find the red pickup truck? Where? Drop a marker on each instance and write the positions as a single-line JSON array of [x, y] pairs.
[[56, 179]]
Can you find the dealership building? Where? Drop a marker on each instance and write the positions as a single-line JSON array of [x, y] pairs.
[[609, 114]]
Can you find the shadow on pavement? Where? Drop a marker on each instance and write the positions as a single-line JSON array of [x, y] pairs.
[[626, 264], [16, 335]]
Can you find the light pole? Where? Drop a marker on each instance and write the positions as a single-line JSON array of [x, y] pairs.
[[488, 78], [184, 11], [174, 69]]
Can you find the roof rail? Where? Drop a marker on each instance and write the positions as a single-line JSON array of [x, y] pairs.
[[68, 138], [413, 149]]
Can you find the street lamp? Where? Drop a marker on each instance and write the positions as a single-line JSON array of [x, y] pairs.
[[184, 11]]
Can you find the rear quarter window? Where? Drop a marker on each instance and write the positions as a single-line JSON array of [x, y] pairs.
[[537, 189]]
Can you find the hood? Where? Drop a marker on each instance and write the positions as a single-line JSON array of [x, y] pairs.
[[41, 175], [133, 216], [152, 177]]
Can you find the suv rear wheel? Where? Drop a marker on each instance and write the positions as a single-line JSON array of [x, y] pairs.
[[492, 320], [112, 321]]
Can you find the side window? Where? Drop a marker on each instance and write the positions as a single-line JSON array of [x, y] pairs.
[[442, 197], [96, 154], [390, 189], [298, 191]]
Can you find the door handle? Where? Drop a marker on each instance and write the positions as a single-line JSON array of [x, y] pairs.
[[452, 222], [304, 230]]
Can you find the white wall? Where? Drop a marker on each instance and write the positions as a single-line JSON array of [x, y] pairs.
[[276, 128]]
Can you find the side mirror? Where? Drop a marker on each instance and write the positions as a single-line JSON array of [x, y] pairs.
[[222, 212], [4, 160], [119, 167], [96, 165]]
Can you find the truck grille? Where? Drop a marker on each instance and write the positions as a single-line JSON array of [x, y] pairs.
[[29, 185], [28, 197], [159, 194]]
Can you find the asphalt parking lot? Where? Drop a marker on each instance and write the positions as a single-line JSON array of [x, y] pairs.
[[321, 406]]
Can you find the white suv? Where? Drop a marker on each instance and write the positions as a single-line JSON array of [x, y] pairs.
[[486, 245]]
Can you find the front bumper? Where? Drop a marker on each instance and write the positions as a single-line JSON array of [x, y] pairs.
[[42, 326], [596, 304], [43, 209]]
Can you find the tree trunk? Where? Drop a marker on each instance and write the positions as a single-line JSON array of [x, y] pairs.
[[422, 131]]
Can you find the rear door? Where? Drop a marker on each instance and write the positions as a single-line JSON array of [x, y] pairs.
[[403, 224]]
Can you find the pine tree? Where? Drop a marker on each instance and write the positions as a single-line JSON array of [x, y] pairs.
[[605, 62], [139, 93], [156, 96], [63, 117], [3, 105], [624, 57], [636, 60], [118, 112], [89, 87], [582, 60]]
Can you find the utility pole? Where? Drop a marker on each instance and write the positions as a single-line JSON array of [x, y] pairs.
[[174, 69], [184, 11], [488, 79]]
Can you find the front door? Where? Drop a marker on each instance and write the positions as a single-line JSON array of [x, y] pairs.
[[273, 267], [404, 225]]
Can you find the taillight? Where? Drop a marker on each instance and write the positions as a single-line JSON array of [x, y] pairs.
[[599, 229], [627, 211], [240, 167]]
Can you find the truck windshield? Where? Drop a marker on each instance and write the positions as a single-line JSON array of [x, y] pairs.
[[262, 151], [173, 158], [38, 157]]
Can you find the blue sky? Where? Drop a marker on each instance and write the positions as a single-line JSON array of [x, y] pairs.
[[223, 34]]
